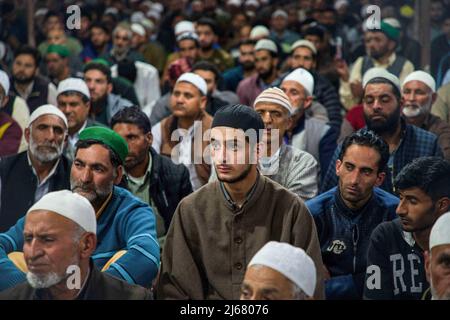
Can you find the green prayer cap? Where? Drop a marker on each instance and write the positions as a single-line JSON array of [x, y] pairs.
[[390, 31], [59, 49], [101, 61], [108, 137]]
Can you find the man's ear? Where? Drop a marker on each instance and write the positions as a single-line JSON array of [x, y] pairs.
[[87, 245], [338, 166], [203, 101], [308, 102], [119, 175], [4, 101], [427, 256], [380, 179], [149, 138], [27, 135], [433, 98], [109, 88], [443, 205]]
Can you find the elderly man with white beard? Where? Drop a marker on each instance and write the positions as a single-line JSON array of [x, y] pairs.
[[60, 235], [127, 247], [437, 260], [419, 94], [27, 176]]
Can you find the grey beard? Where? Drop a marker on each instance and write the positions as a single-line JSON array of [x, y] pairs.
[[48, 156], [46, 281]]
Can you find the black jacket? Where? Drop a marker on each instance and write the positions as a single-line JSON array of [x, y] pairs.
[[169, 183], [18, 186], [395, 265], [99, 286], [38, 95]]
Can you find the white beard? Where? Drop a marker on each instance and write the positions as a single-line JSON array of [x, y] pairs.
[[412, 112], [46, 281], [48, 156]]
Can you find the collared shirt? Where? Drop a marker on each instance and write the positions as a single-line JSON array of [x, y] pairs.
[[228, 198], [42, 186], [72, 141], [140, 186], [270, 165], [184, 155]]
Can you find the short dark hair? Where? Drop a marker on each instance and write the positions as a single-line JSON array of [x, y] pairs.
[[100, 67], [395, 90], [249, 42], [205, 21], [99, 25], [127, 69], [113, 156], [26, 49], [132, 115], [315, 30], [369, 139], [429, 174], [207, 66]]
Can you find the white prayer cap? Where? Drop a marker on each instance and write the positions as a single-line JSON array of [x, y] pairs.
[[292, 262], [440, 233], [253, 3], [137, 28], [380, 73], [184, 26], [70, 205], [40, 12], [153, 14], [266, 44], [148, 24], [304, 78], [304, 43], [194, 79], [74, 84], [111, 10], [259, 31], [158, 7], [422, 77], [393, 22], [4, 81], [236, 3], [47, 109], [137, 16], [274, 95], [339, 3], [280, 13]]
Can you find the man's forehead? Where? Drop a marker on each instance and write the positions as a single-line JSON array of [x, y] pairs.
[[269, 106], [413, 191], [94, 154], [227, 133], [46, 220], [291, 84], [50, 120], [378, 89], [303, 51], [416, 84]]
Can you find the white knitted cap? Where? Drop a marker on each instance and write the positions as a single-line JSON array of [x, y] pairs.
[[4, 81], [138, 28], [303, 77], [70, 205], [304, 43], [440, 233], [47, 109], [259, 31], [74, 84], [274, 95], [422, 77], [266, 44], [292, 262], [184, 26], [280, 13], [196, 80], [380, 73]]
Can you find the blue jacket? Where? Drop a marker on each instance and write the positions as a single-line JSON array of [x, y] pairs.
[[127, 223], [344, 238]]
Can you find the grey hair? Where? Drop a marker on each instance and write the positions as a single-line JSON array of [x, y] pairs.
[[125, 27], [78, 233]]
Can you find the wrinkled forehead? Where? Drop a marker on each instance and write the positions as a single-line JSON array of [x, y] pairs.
[[416, 85], [45, 221], [50, 120]]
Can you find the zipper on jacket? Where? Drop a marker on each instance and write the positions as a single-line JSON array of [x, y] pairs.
[[355, 238]]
